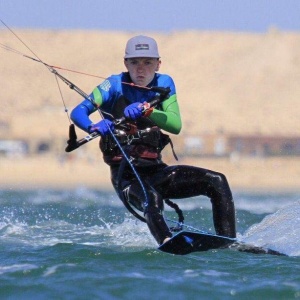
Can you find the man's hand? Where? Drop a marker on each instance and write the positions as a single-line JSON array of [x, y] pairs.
[[134, 111], [102, 127]]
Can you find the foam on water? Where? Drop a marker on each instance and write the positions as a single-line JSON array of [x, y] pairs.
[[130, 233], [52, 270], [17, 268], [279, 231]]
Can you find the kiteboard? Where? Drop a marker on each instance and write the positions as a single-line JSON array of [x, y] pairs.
[[186, 242]]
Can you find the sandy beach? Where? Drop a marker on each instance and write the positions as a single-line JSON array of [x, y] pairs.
[[261, 175]]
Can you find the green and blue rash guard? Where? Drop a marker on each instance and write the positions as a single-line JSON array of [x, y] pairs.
[[108, 94]]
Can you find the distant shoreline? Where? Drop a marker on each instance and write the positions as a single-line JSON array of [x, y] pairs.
[[267, 175]]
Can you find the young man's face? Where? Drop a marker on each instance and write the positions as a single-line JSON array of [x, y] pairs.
[[142, 69]]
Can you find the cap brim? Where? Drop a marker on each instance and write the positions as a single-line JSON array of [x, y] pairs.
[[141, 56]]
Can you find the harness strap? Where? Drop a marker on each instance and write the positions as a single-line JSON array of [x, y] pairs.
[[152, 140], [179, 212], [173, 151]]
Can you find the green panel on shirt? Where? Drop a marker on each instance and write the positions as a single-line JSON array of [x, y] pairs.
[[169, 117], [97, 96]]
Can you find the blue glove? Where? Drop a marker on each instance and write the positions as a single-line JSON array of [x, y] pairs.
[[134, 111], [102, 127]]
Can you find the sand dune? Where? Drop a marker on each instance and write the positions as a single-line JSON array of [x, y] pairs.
[[235, 82]]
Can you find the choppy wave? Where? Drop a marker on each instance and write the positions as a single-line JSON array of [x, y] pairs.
[[50, 240], [279, 231], [46, 218]]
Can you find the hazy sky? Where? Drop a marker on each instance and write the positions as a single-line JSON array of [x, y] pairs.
[[153, 15]]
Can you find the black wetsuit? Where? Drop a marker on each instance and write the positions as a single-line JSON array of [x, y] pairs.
[[175, 182]]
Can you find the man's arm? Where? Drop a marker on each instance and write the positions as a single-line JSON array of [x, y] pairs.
[[169, 117]]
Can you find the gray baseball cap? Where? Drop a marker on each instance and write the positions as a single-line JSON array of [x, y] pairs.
[[141, 46]]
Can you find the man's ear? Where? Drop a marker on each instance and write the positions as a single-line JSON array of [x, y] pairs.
[[158, 65], [125, 63]]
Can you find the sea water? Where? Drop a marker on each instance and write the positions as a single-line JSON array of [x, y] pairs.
[[83, 244]]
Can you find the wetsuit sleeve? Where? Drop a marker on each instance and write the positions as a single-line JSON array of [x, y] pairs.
[[168, 118], [80, 114]]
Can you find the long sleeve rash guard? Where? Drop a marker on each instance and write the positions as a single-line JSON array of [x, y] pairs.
[[107, 94]]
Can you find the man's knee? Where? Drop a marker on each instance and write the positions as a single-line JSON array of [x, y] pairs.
[[218, 179]]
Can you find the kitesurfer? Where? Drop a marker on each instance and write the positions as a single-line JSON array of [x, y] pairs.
[[119, 96]]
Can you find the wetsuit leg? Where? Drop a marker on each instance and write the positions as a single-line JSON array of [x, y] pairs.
[[131, 190], [153, 209], [186, 181]]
